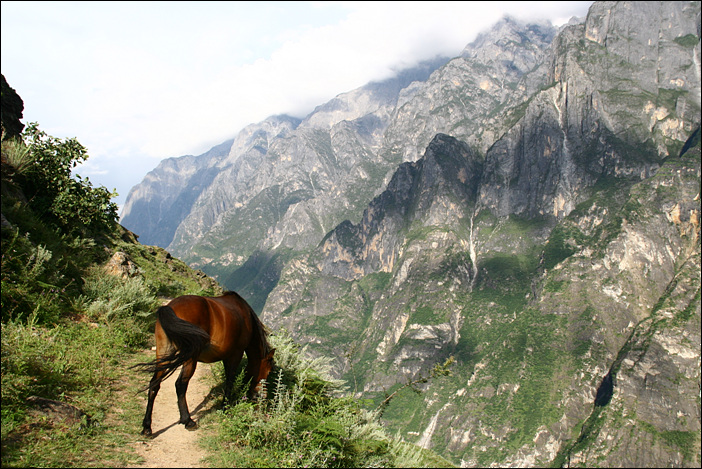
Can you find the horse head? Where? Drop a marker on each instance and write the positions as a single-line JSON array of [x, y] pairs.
[[263, 370]]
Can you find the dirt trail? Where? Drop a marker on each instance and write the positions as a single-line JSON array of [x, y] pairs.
[[171, 444]]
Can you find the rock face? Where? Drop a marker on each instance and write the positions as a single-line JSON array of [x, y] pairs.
[[432, 192], [531, 208], [159, 204], [12, 108], [283, 183], [121, 265]]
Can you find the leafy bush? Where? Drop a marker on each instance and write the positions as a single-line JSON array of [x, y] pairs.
[[108, 297], [67, 200]]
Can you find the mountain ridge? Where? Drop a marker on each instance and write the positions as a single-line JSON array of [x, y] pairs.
[[538, 221]]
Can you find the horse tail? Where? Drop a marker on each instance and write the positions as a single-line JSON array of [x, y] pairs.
[[188, 342]]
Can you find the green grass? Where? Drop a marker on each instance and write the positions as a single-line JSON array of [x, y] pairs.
[[78, 363], [166, 275], [305, 422]]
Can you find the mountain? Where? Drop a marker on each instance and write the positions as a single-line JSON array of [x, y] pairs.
[[257, 195], [166, 195], [530, 208]]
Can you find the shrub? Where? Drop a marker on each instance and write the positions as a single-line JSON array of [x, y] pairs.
[[68, 201], [107, 297], [31, 281], [304, 421]]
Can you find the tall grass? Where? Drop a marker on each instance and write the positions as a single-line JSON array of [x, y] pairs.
[[77, 362], [107, 298], [17, 155], [305, 421]]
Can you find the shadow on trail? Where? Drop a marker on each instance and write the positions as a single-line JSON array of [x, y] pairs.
[[200, 411]]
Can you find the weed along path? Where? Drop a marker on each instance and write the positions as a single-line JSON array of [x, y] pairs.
[[171, 444]]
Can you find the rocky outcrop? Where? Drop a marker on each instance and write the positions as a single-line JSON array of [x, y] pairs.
[[431, 191], [120, 265], [466, 97], [12, 108]]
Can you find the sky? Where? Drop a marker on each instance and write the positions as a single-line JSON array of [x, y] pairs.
[[138, 82]]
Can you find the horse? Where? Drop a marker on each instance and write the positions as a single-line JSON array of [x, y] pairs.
[[192, 329]]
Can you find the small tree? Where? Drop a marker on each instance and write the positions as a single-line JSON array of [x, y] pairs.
[[68, 201]]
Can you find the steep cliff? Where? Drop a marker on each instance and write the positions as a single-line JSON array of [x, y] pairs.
[[158, 205], [562, 271]]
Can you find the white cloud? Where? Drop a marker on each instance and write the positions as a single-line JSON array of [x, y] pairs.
[[137, 82]]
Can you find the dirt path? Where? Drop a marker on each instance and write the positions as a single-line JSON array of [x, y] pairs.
[[171, 444]]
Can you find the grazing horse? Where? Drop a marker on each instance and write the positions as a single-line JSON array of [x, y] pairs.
[[193, 329]]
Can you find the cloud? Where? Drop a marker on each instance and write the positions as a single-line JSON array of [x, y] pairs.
[[137, 82]]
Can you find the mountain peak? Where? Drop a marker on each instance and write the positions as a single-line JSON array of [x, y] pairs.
[[512, 36]]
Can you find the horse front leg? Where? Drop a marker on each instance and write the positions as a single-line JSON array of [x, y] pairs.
[[154, 387], [181, 386]]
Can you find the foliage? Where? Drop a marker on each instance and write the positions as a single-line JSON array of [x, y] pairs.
[[69, 201], [30, 284], [688, 40], [304, 422], [438, 370], [108, 297], [563, 242]]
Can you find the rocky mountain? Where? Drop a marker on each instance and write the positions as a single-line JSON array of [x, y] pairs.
[[157, 205], [281, 183], [530, 208]]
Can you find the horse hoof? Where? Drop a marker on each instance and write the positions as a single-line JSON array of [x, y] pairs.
[[146, 432], [190, 425]]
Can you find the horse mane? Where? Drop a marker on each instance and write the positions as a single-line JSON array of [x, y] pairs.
[[263, 331]]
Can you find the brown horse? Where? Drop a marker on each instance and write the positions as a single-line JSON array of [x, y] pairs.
[[193, 329]]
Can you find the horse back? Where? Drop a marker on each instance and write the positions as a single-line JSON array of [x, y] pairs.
[[225, 318]]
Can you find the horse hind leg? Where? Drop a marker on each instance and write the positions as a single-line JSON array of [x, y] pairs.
[[181, 386], [154, 387]]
